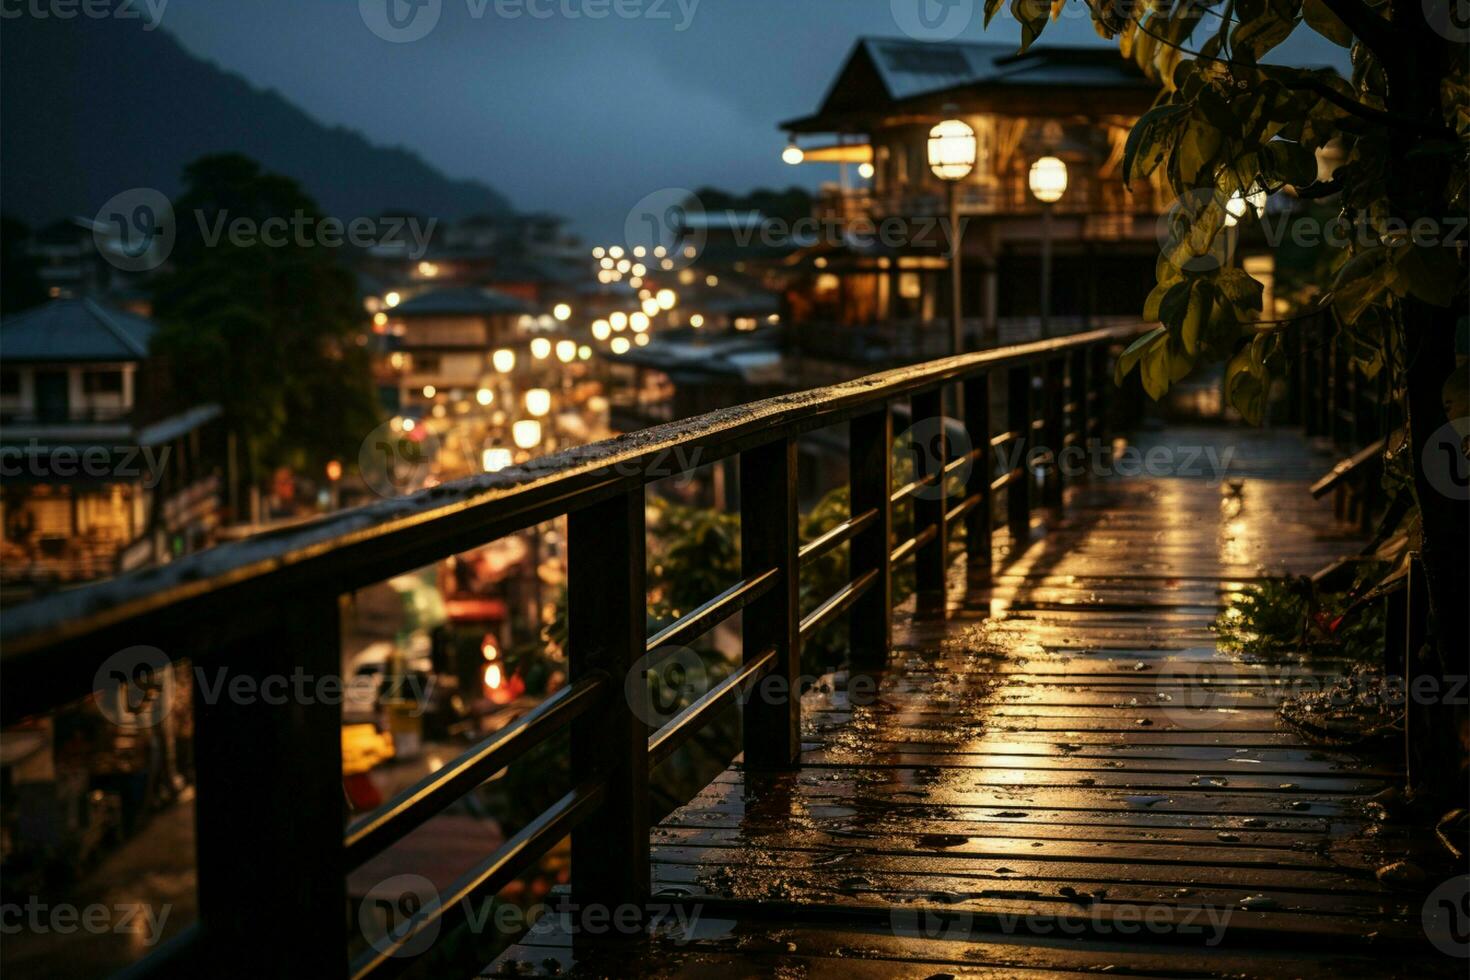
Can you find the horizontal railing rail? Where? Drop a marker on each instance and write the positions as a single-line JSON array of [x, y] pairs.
[[272, 605]]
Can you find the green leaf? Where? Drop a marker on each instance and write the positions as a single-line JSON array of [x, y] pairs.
[[1430, 272], [1240, 291], [1361, 283], [1134, 351], [1195, 317], [1032, 15], [1289, 162], [1143, 150], [1245, 386], [1260, 32], [1154, 370], [1320, 18]]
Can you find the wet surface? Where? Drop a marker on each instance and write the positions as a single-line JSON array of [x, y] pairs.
[[1065, 747]]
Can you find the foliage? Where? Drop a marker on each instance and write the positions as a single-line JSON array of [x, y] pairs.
[[1289, 615], [268, 331], [1228, 128]]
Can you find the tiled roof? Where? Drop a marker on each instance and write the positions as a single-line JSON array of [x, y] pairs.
[[75, 330]]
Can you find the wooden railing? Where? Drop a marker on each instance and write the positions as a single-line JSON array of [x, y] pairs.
[[272, 854]]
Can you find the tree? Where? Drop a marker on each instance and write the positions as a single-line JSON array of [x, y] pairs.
[[1227, 127], [264, 325]]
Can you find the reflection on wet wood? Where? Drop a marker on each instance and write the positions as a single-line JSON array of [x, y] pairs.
[[1066, 746]]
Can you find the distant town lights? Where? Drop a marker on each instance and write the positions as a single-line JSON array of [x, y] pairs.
[[616, 251], [619, 321], [599, 252], [620, 345], [584, 353], [504, 360], [639, 251], [865, 170], [495, 459], [641, 340], [1236, 207], [430, 391], [484, 396], [601, 329], [566, 351], [392, 299], [650, 307], [639, 321], [538, 402], [696, 321], [666, 299], [541, 348], [562, 312], [526, 433], [792, 154]]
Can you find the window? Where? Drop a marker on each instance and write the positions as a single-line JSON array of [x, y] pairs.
[[102, 382]]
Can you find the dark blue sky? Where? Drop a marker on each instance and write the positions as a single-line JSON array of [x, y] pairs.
[[571, 114]]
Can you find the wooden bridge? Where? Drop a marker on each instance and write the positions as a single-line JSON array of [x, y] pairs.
[[1040, 764]]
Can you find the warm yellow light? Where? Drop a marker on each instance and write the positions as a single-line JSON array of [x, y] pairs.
[[1048, 179], [624, 265], [488, 649], [616, 251], [566, 351], [540, 348], [492, 676], [641, 340], [659, 251], [484, 396], [639, 270], [666, 264], [495, 459], [429, 391], [696, 321], [666, 299], [380, 319], [538, 402], [584, 353], [638, 321], [392, 299], [601, 329], [526, 433], [952, 150], [639, 251], [635, 282], [607, 264], [428, 270], [504, 360], [599, 252], [334, 469], [1235, 208], [396, 359], [650, 307], [792, 154], [865, 170], [711, 280], [562, 311], [619, 321], [408, 425], [620, 345]]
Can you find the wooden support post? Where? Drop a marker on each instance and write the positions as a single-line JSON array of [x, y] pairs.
[[930, 445], [768, 539], [270, 812], [870, 481], [1100, 385], [607, 604], [1053, 398], [979, 520], [1018, 420]]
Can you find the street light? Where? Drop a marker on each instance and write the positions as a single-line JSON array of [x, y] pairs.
[[526, 433], [504, 360], [538, 402], [1048, 180], [952, 157]]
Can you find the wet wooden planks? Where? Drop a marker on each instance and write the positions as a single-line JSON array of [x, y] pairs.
[[1066, 747]]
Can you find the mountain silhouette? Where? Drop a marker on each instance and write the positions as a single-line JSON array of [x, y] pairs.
[[92, 108]]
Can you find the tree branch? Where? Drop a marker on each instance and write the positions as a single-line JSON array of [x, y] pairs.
[[1377, 34]]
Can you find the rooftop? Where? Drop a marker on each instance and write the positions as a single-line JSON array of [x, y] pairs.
[[75, 330]]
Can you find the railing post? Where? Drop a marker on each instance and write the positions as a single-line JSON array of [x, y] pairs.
[[270, 812], [927, 410], [870, 482], [1079, 389], [1099, 387], [768, 539], [979, 520], [1018, 421], [1053, 412], [607, 604]]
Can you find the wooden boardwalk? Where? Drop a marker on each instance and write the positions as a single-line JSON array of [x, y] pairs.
[[1063, 776]]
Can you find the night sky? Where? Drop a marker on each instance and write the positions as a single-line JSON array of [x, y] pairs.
[[570, 114]]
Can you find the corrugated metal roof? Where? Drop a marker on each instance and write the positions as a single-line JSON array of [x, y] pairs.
[[75, 330]]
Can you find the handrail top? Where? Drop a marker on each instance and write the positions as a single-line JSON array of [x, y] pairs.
[[356, 547]]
